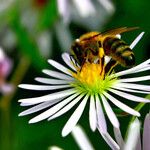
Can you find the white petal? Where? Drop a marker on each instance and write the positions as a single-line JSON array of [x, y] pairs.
[[146, 133], [49, 97], [63, 10], [118, 137], [85, 7], [92, 114], [136, 79], [121, 105], [112, 117], [51, 81], [81, 138], [138, 38], [36, 108], [134, 86], [100, 116], [67, 107], [26, 104], [134, 131], [129, 90], [57, 75], [135, 69], [129, 96], [42, 87], [52, 110], [74, 117], [144, 68], [109, 141], [59, 67], [138, 145], [67, 60]]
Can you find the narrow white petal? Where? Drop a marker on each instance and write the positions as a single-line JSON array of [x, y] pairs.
[[135, 69], [109, 140], [42, 87], [67, 107], [118, 137], [52, 110], [49, 97], [129, 90], [74, 117], [134, 131], [138, 38], [57, 75], [59, 67], [67, 60], [144, 68], [36, 108], [136, 79], [134, 86], [92, 114], [26, 104], [129, 96], [51, 81], [100, 116], [146, 133], [121, 105], [81, 138], [112, 117]]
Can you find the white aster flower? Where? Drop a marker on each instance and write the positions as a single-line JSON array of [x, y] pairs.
[[88, 13], [133, 140], [77, 86]]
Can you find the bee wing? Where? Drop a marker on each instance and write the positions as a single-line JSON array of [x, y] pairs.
[[118, 31]]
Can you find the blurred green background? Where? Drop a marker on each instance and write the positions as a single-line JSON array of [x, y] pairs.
[[34, 30]]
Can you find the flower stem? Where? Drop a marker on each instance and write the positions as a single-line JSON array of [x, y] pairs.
[[5, 105]]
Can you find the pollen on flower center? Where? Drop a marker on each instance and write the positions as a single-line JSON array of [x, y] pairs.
[[90, 73], [91, 78]]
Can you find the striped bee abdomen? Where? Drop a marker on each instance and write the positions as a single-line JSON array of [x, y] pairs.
[[119, 51]]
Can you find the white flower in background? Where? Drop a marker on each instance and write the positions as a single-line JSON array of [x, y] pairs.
[[133, 140], [88, 13], [6, 4], [76, 86], [5, 69]]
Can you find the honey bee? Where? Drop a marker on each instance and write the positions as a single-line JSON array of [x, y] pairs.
[[94, 45]]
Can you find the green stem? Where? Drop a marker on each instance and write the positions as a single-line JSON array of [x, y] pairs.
[[5, 105]]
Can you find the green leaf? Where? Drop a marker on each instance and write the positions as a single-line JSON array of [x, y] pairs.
[[48, 15]]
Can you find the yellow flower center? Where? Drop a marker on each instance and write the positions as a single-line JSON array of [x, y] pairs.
[[90, 73], [91, 78]]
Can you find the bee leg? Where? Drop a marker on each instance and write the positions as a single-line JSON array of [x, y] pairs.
[[73, 61], [111, 64], [82, 64], [102, 64]]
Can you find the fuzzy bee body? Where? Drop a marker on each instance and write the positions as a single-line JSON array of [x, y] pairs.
[[119, 51], [93, 45]]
